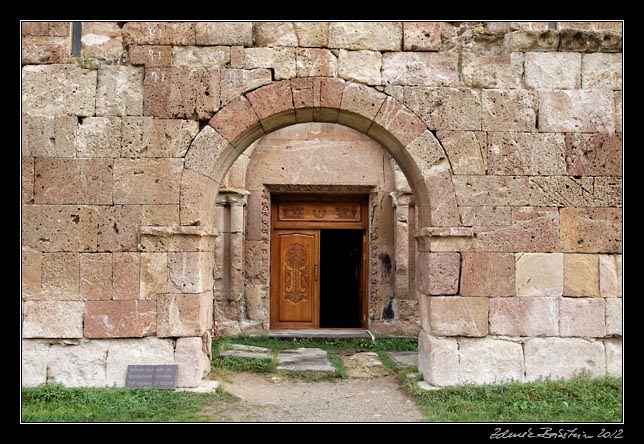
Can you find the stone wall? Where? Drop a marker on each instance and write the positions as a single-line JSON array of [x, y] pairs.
[[509, 134]]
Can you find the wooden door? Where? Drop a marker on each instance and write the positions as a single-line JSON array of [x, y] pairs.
[[295, 283]]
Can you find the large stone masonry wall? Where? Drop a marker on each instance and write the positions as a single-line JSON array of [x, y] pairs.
[[117, 221]]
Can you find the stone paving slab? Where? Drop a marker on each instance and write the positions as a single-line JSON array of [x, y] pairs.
[[404, 359], [305, 359], [364, 365], [246, 352]]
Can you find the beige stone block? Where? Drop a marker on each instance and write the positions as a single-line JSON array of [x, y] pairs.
[[594, 154], [539, 274], [516, 316], [52, 319], [360, 66], [601, 71], [60, 276], [486, 216], [618, 111], [487, 274], [189, 272], [118, 228], [492, 71], [315, 62], [60, 227], [201, 56], [466, 150], [576, 40], [615, 26], [534, 154], [48, 136], [184, 315], [238, 123], [102, 40], [139, 351], [33, 362], [224, 33], [120, 319], [193, 363], [58, 89], [98, 137], [553, 70], [606, 192], [446, 108], [160, 215], [442, 198], [582, 356], [31, 275], [281, 60], [458, 316], [576, 111], [614, 360], [375, 36], [119, 91], [152, 56], [159, 33], [421, 36], [610, 275], [490, 361], [236, 82], [96, 276], [197, 197], [423, 157], [363, 101], [475, 190], [237, 55], [438, 359], [591, 230], [126, 275], [274, 34], [59, 29], [438, 273], [312, 34], [582, 317], [210, 151], [147, 181], [581, 275], [533, 40], [154, 275], [420, 68], [152, 137], [44, 49], [257, 297], [73, 181], [614, 316], [81, 365], [508, 110]]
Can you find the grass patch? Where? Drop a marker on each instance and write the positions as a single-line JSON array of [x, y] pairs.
[[56, 403], [581, 399]]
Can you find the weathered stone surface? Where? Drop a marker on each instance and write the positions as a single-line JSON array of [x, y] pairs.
[[304, 359], [31, 275], [614, 358], [102, 40], [44, 49], [210, 150], [553, 70], [48, 136], [533, 40], [118, 227], [54, 29], [486, 216], [33, 363], [576, 111], [58, 89], [96, 276], [120, 319], [147, 181], [312, 34], [601, 71], [508, 110], [591, 230], [438, 359], [119, 91], [360, 100], [80, 365], [375, 36], [154, 275], [399, 123], [610, 275], [52, 319], [438, 273], [59, 227], [534, 154], [160, 215], [73, 181], [420, 68], [159, 33], [245, 351], [581, 275], [590, 41], [490, 361], [140, 351], [281, 60], [189, 272], [594, 154], [193, 364], [364, 365], [487, 274], [152, 137], [618, 111], [539, 274], [197, 195], [466, 150], [224, 33], [446, 108], [584, 317], [421, 36], [98, 137], [201, 56], [60, 276], [183, 315], [267, 34], [613, 316], [126, 275], [422, 158], [484, 71], [273, 104], [311, 62], [581, 356], [458, 316], [444, 208], [516, 316], [152, 56], [474, 190], [360, 66], [615, 26]]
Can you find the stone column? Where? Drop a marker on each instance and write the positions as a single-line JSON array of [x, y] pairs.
[[401, 201]]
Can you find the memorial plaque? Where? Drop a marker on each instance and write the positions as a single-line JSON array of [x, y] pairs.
[[163, 377]]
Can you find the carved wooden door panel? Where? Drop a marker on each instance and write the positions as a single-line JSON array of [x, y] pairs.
[[295, 283]]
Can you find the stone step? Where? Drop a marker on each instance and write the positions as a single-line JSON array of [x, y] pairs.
[[404, 359], [305, 359], [246, 352]]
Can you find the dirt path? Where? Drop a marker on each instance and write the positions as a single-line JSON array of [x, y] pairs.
[[270, 398]]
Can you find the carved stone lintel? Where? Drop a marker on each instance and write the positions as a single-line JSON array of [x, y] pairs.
[[444, 238]]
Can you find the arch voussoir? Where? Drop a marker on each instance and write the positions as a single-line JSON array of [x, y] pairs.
[[273, 105], [238, 123]]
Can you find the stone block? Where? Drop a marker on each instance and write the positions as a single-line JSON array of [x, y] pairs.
[[576, 111], [159, 33], [236, 82], [81, 365], [420, 68], [487, 274], [58, 89], [120, 319], [618, 111], [466, 150], [475, 190], [591, 230], [152, 137], [438, 273], [594, 154], [44, 49], [189, 272], [610, 275], [181, 238], [315, 62], [197, 196], [224, 33], [444, 208], [614, 316], [273, 104], [421, 36], [581, 357], [118, 228], [458, 316], [606, 192], [486, 216], [257, 297], [363, 101], [517, 316], [267, 34], [147, 181], [33, 363], [577, 40], [59, 227], [533, 154], [553, 70], [601, 71], [119, 91], [193, 363], [126, 275], [73, 181], [533, 40], [360, 66], [490, 361], [31, 275], [201, 56], [53, 29], [446, 108], [160, 215], [281, 60], [184, 93], [96, 276], [60, 276], [152, 56], [492, 71], [140, 351], [375, 36], [47, 136], [423, 157], [98, 137], [539, 274], [398, 123], [52, 319], [438, 359], [508, 110], [154, 275], [102, 40], [615, 26], [582, 317], [183, 315], [581, 275], [312, 34], [614, 360]]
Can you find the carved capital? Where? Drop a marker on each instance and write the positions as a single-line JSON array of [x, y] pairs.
[[232, 197], [401, 198]]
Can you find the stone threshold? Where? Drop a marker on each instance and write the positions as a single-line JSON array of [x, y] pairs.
[[319, 333]]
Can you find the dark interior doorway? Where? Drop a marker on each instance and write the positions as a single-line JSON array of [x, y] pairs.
[[340, 277]]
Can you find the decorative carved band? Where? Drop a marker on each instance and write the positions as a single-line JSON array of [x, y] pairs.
[[296, 278], [319, 211]]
